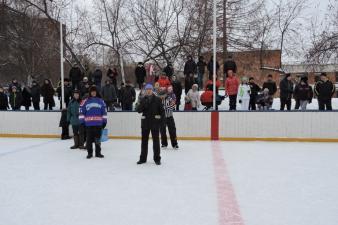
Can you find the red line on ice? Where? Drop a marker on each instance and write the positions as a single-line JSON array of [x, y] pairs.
[[228, 209]]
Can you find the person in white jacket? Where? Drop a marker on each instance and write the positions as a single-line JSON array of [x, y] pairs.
[[243, 95], [193, 96]]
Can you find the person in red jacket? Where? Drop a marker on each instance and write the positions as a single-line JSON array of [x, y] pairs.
[[164, 81], [231, 87]]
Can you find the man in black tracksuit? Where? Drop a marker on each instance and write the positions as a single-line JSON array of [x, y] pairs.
[[169, 105], [190, 69], [286, 91], [254, 93], [324, 90], [152, 113]]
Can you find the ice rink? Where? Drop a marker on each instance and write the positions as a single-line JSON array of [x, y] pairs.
[[43, 182]]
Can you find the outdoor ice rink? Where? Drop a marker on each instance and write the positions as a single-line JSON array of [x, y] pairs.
[[43, 182]]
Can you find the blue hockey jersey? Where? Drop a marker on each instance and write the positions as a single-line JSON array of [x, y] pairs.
[[93, 112]]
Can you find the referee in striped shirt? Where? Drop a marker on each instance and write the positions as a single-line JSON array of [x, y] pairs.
[[169, 105]]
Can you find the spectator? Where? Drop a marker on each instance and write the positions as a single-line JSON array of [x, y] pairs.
[[163, 81], [3, 100], [112, 75], [73, 118], [16, 84], [26, 98], [156, 88], [177, 88], [128, 96], [211, 68], [64, 124], [35, 92], [169, 70], [255, 89], [264, 100], [201, 64], [193, 97], [15, 98], [97, 76], [229, 64], [286, 91], [243, 94], [231, 87], [67, 92], [190, 68], [325, 90], [140, 74], [109, 95], [303, 92], [271, 86], [47, 92], [85, 85], [75, 76]]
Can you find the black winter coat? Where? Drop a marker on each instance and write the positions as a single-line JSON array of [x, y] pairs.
[[97, 75], [26, 98], [325, 90], [15, 99], [211, 66], [190, 67], [152, 111], [75, 74], [271, 85], [140, 73], [201, 66], [254, 89], [286, 88], [303, 92], [169, 71], [127, 95], [68, 93], [230, 65], [3, 101], [47, 92], [177, 88], [35, 92]]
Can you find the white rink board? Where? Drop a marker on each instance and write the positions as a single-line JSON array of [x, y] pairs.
[[278, 125]]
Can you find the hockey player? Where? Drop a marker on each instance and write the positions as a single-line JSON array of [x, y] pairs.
[[169, 105], [152, 112], [93, 115]]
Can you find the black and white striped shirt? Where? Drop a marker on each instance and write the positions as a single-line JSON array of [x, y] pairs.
[[169, 105]]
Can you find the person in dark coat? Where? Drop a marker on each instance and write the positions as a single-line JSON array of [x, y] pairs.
[[128, 97], [15, 99], [109, 95], [190, 69], [35, 92], [140, 74], [47, 92], [97, 76], [68, 92], [286, 91], [177, 86], [152, 111], [85, 85], [270, 85], [3, 100], [211, 68], [16, 84], [75, 76], [201, 64], [324, 90], [255, 89], [73, 113], [229, 64], [64, 125], [26, 98], [303, 92], [112, 74], [169, 70]]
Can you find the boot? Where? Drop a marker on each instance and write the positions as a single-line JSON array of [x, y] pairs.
[[81, 142], [76, 142], [98, 150]]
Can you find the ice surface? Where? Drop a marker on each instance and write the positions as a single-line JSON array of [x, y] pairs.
[[43, 182]]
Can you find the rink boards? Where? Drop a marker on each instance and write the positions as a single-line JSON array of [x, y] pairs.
[[232, 126]]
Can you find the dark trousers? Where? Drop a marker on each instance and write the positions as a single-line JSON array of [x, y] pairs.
[[76, 130], [325, 104], [65, 132], [252, 104], [188, 82], [155, 131], [297, 106], [109, 106], [76, 85], [285, 102], [82, 134], [232, 102], [140, 85], [93, 136], [170, 123], [127, 107], [178, 102], [26, 108], [36, 105]]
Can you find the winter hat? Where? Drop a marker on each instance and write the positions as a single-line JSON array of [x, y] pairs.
[[266, 90], [149, 86], [244, 79], [85, 79], [287, 75]]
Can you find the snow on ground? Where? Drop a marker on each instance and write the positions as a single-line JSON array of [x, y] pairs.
[[44, 182]]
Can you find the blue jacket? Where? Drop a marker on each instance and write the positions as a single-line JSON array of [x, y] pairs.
[[93, 112]]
